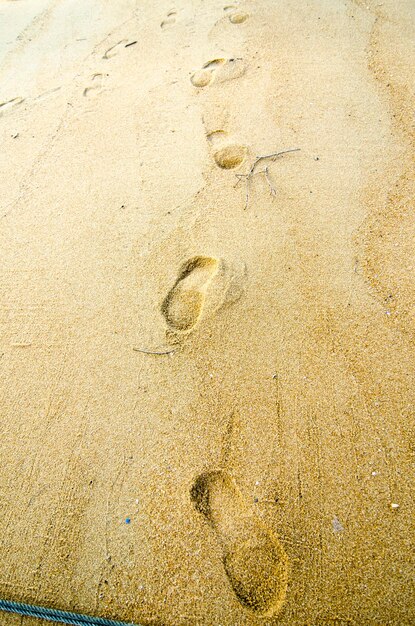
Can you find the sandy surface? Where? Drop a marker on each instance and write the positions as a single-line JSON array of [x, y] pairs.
[[261, 471]]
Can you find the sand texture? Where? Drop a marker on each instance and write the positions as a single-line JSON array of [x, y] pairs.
[[207, 358]]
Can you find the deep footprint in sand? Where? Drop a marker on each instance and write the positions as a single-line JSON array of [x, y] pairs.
[[183, 304], [254, 560], [219, 71], [231, 156], [226, 155]]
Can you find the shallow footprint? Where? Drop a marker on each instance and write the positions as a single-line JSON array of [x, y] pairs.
[[218, 70], [254, 559], [238, 17], [170, 20], [216, 137], [183, 304], [205, 76], [95, 86], [115, 49]]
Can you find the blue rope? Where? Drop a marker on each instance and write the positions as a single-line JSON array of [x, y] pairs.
[[55, 615]]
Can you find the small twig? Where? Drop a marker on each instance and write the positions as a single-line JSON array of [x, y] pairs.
[[170, 351], [270, 183], [273, 156]]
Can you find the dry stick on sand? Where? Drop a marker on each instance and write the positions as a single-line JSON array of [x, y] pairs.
[[170, 351], [265, 171]]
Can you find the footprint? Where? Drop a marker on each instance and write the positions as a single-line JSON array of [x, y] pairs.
[[231, 156], [170, 20], [111, 52], [227, 156], [254, 560], [235, 16], [216, 137], [203, 77], [183, 305], [10, 104], [96, 84], [238, 17], [218, 70]]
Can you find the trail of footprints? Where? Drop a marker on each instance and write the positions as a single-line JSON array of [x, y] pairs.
[[93, 88], [253, 558], [217, 70], [97, 80]]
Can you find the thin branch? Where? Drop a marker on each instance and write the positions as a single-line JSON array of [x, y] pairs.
[[273, 156], [143, 351], [269, 181]]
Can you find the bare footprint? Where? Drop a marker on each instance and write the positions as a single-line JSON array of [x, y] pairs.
[[169, 20], [238, 17], [231, 156], [184, 303], [216, 137], [111, 52], [95, 86], [254, 559], [218, 70], [226, 155], [235, 16], [10, 104]]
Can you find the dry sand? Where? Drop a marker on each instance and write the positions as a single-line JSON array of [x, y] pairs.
[[272, 440]]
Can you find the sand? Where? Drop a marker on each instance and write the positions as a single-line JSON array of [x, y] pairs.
[[208, 360]]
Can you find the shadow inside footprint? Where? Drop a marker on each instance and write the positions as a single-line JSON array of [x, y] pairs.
[[115, 49], [238, 17], [169, 21], [218, 70], [183, 304], [95, 86], [230, 157], [253, 558]]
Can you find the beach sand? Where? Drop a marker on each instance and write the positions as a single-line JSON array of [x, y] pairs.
[[207, 359]]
